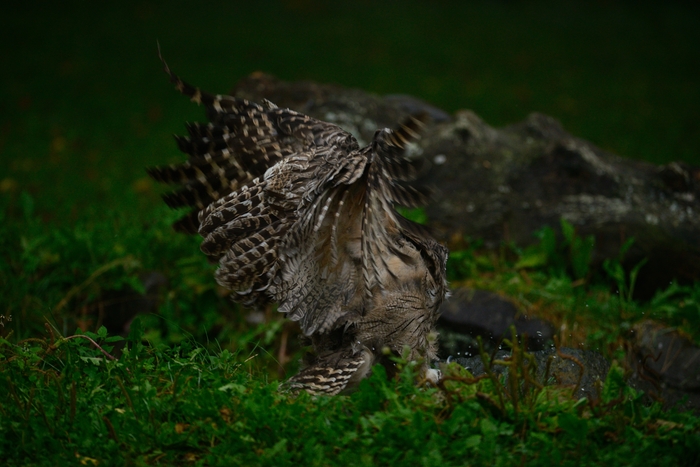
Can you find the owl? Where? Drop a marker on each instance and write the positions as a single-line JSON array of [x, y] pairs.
[[295, 212]]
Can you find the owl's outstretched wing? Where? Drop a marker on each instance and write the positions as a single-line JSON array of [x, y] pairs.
[[293, 210], [241, 141], [318, 230]]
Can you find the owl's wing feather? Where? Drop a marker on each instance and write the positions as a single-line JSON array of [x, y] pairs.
[[313, 232], [291, 208], [242, 140]]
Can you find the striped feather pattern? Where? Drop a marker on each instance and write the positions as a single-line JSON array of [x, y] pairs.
[[295, 212]]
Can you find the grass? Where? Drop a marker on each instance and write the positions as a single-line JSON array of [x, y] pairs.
[[553, 280], [183, 405], [196, 385], [86, 108]]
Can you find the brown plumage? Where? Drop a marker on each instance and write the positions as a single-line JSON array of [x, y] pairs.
[[295, 212]]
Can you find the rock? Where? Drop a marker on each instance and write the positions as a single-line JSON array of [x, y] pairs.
[[471, 313], [356, 111], [116, 309], [666, 365], [504, 184], [582, 370]]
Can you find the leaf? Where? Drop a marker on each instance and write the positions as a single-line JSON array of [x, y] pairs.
[[532, 259], [614, 383], [633, 277], [97, 361], [135, 331], [472, 441], [276, 449], [234, 388], [567, 230], [575, 426], [488, 428], [548, 240], [626, 246]]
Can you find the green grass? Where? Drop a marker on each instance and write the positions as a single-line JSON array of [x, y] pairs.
[[198, 386], [66, 404], [85, 107]]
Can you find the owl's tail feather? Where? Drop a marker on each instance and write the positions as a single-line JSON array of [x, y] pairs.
[[332, 373]]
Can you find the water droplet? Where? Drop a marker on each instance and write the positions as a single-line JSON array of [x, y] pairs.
[[440, 159]]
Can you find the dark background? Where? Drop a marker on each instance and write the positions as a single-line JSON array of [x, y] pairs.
[[85, 105]]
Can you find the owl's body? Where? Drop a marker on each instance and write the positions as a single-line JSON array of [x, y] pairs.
[[295, 212]]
